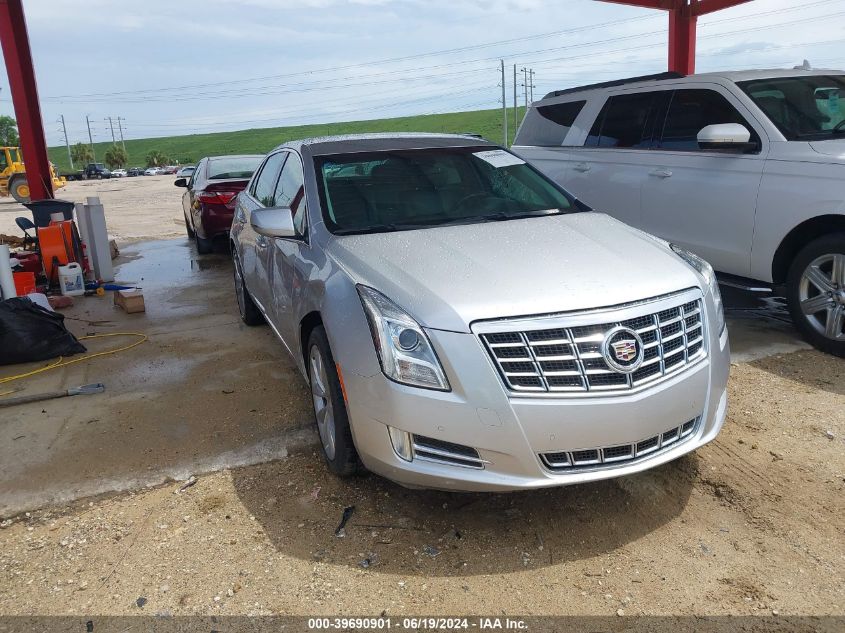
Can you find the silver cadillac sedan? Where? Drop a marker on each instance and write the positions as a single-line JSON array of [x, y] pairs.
[[466, 324]]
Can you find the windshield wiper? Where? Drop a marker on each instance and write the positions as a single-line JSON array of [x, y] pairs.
[[375, 228], [502, 216]]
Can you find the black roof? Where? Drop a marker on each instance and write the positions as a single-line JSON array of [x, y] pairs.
[[616, 82]]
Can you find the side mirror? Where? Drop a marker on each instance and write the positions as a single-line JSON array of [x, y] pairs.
[[273, 222], [181, 182], [726, 137]]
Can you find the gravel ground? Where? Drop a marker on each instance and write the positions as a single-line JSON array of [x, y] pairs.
[[750, 524]]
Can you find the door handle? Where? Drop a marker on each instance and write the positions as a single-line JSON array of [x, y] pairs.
[[661, 173], [582, 167]]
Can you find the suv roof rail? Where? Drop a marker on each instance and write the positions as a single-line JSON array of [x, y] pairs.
[[617, 82]]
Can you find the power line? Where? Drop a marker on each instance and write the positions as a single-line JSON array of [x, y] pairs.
[[455, 50]]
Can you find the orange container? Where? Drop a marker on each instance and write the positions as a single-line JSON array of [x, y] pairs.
[[24, 283]]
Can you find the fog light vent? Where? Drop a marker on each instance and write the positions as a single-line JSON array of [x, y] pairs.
[[433, 450]]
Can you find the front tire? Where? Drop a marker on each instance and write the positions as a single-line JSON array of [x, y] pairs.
[[815, 292], [250, 314], [329, 407], [188, 228], [19, 188]]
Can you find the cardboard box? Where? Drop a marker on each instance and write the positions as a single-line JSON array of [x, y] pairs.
[[131, 301]]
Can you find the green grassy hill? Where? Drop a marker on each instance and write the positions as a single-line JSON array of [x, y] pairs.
[[190, 148]]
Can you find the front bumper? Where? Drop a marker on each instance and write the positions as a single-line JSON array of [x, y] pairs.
[[511, 431]]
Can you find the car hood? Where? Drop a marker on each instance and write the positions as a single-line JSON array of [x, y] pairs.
[[449, 277], [834, 147]]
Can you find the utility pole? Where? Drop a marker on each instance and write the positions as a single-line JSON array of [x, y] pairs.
[[91, 139], [525, 86], [113, 141], [515, 105], [531, 85], [504, 105], [67, 142], [120, 127]]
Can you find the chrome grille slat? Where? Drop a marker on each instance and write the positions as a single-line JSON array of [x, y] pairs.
[[619, 454], [673, 339]]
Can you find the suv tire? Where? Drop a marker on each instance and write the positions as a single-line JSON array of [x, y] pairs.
[[329, 406], [816, 279]]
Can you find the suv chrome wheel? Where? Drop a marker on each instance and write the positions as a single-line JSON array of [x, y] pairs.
[[321, 396], [821, 293]]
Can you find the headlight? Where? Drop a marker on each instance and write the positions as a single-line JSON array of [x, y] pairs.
[[404, 351], [706, 271]]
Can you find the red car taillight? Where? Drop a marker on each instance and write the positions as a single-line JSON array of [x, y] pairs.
[[226, 198]]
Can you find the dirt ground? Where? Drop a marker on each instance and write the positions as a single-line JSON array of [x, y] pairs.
[[138, 208], [752, 524]]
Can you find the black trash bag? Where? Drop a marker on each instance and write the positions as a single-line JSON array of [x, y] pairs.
[[30, 333]]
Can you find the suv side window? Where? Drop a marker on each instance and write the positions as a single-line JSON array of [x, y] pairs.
[[264, 187], [627, 121], [548, 125], [290, 192], [694, 109]]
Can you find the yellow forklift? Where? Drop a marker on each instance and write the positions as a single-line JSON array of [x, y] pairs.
[[13, 175]]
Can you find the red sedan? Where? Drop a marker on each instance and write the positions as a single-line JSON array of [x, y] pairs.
[[209, 202]]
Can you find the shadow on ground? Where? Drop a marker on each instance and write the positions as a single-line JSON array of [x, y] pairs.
[[430, 533]]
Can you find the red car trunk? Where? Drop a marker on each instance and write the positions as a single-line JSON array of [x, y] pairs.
[[217, 205]]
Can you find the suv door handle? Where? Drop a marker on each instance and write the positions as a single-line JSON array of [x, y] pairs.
[[582, 167], [661, 173]]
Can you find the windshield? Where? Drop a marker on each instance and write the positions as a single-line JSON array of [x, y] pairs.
[[409, 189], [803, 108], [232, 167]]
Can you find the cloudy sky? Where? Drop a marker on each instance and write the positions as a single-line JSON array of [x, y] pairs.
[[183, 66]]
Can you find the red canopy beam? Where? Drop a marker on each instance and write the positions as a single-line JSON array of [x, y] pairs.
[[18, 58], [683, 15]]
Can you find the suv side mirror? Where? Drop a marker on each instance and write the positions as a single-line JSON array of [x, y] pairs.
[[726, 137], [273, 222], [181, 182]]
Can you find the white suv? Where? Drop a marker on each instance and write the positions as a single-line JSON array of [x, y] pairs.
[[746, 169]]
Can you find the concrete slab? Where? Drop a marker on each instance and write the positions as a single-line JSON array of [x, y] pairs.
[[204, 392]]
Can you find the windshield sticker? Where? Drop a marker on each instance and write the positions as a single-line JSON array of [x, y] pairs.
[[499, 158]]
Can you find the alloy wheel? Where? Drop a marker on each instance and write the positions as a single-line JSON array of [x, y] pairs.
[[821, 295], [321, 396]]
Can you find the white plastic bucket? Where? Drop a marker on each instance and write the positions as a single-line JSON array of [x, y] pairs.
[[70, 280]]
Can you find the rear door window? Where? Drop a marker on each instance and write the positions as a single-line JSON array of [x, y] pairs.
[[628, 121], [548, 125], [693, 109]]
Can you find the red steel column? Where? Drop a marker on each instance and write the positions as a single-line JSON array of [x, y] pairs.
[[18, 58], [683, 15], [682, 40]]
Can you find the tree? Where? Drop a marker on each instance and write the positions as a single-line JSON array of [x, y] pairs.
[[82, 154], [9, 131], [116, 156], [156, 159]]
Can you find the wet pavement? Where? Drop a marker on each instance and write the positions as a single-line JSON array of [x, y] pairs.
[[203, 393]]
